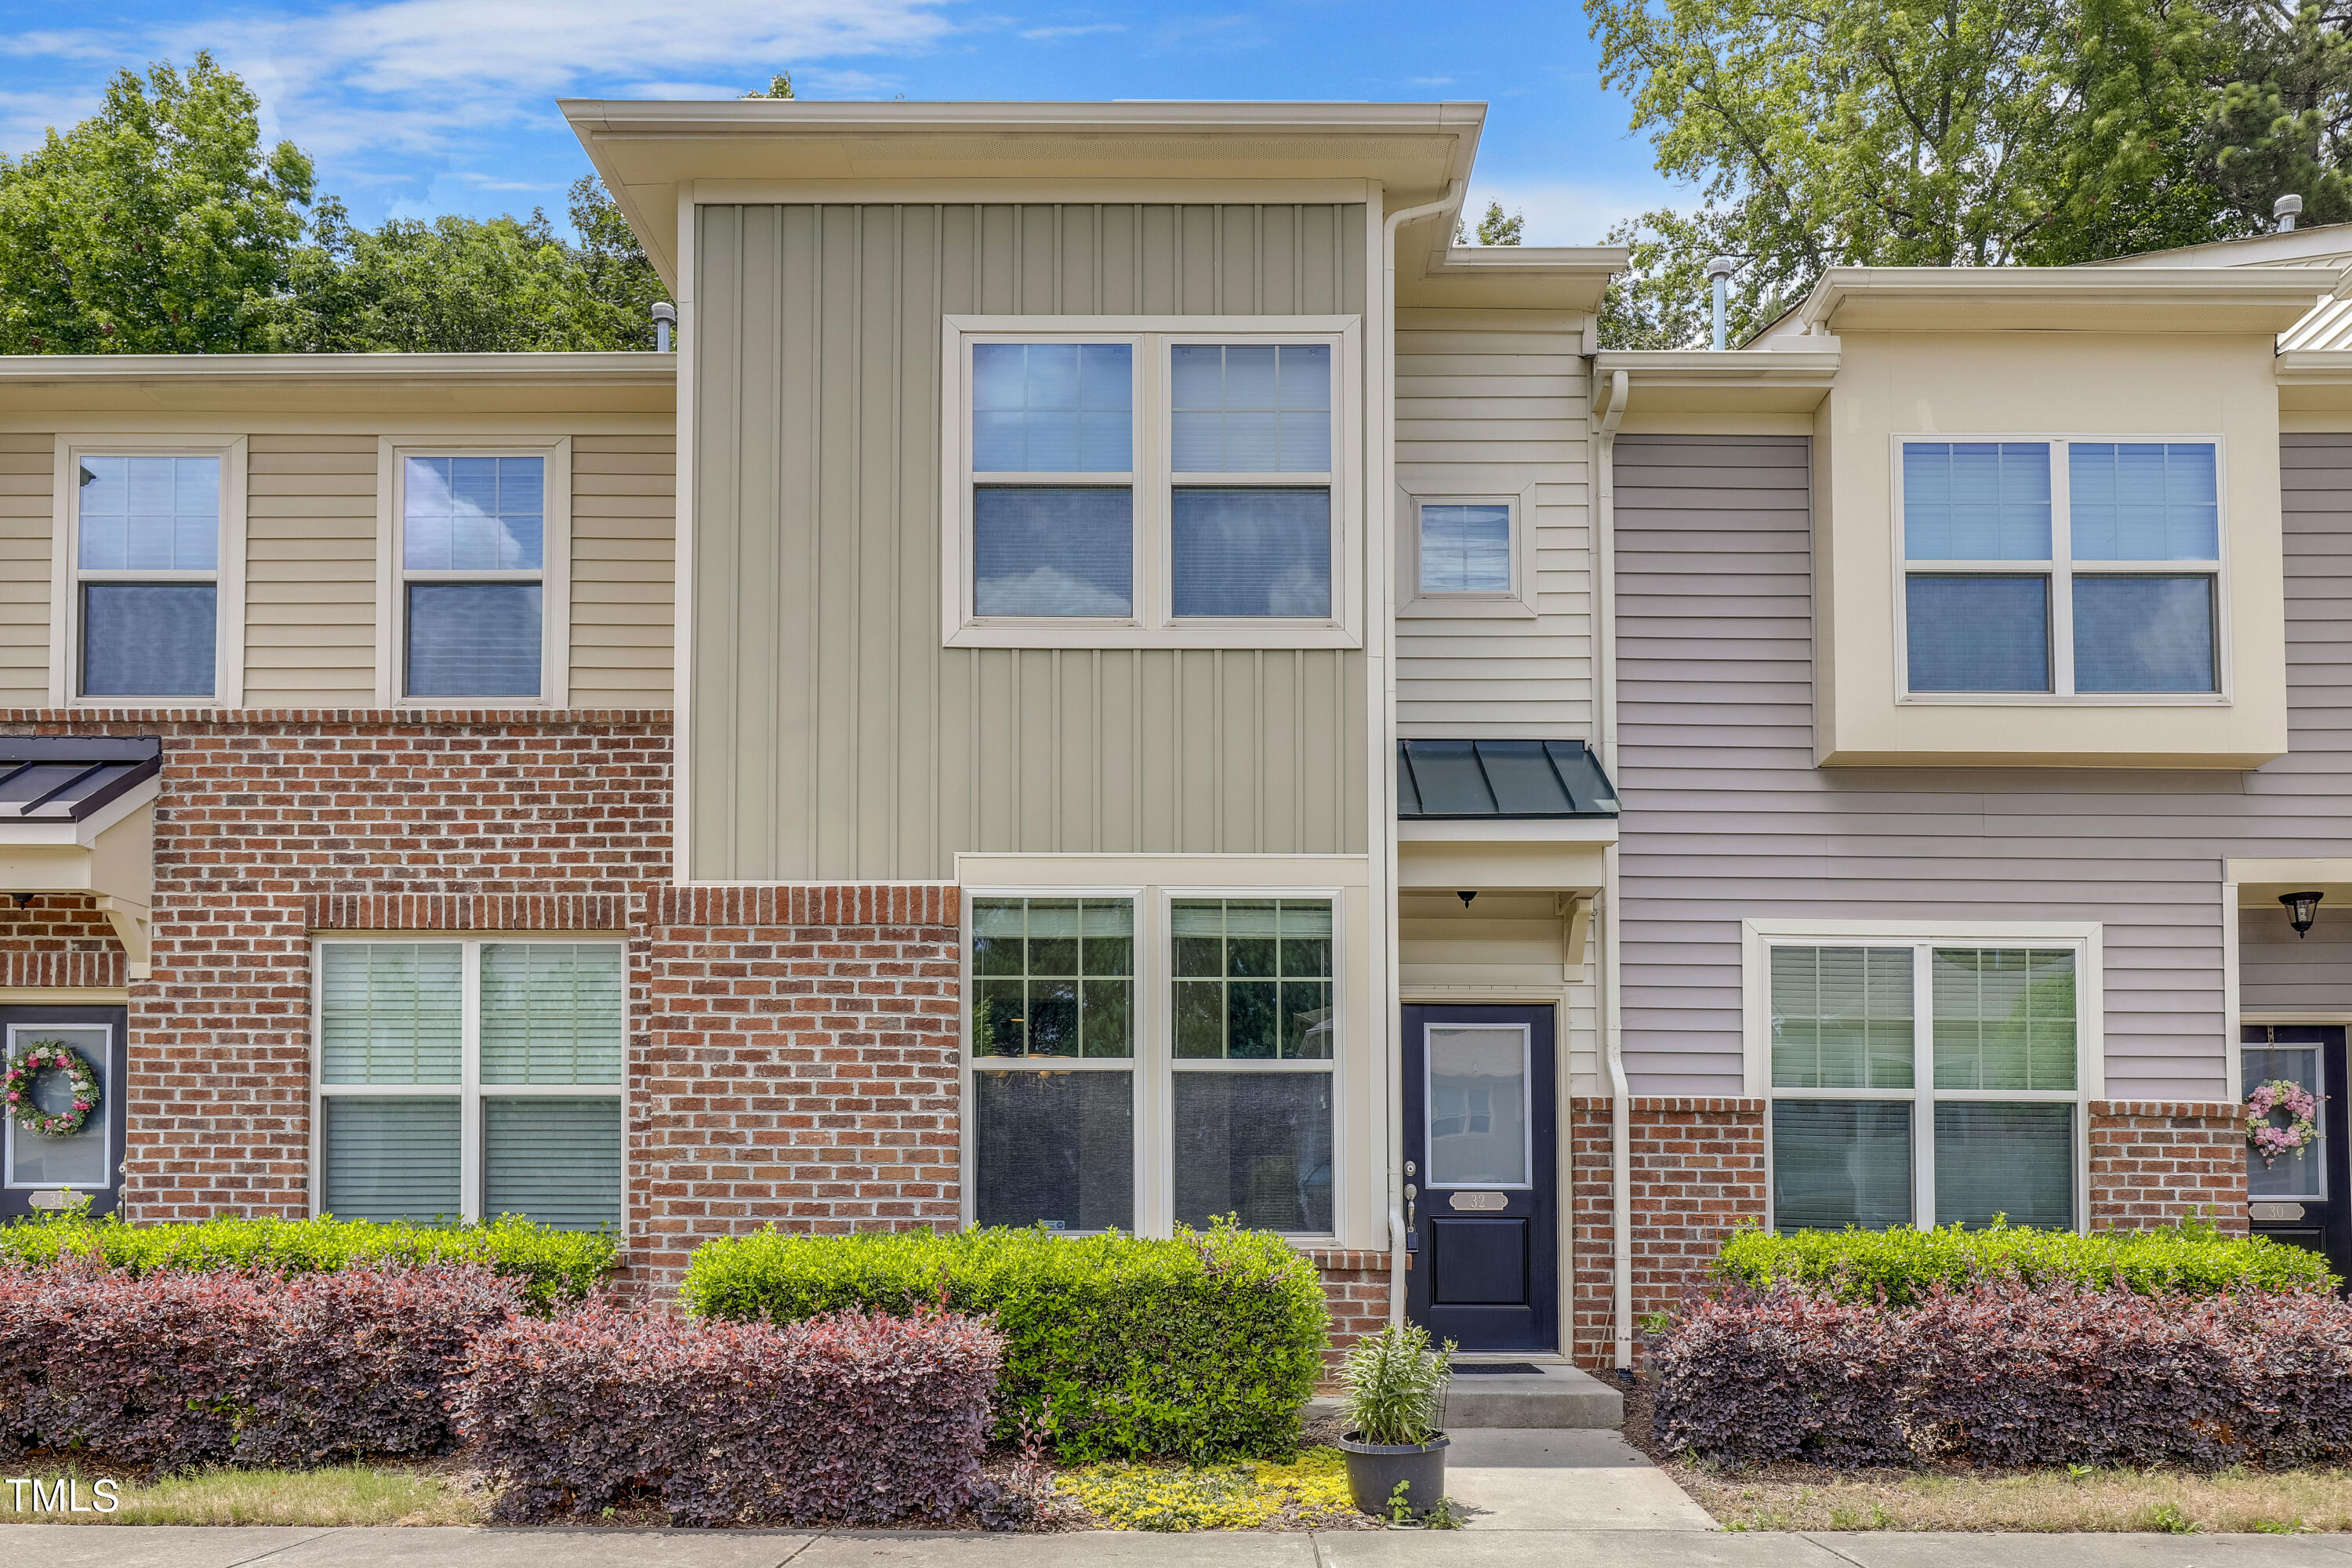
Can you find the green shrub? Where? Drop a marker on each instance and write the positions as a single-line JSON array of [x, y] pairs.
[[550, 1266], [1200, 1347], [2191, 1258]]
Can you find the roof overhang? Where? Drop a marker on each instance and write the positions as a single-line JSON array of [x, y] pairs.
[[2261, 300], [77, 816], [1773, 380], [2315, 380], [336, 384], [649, 153], [1507, 277]]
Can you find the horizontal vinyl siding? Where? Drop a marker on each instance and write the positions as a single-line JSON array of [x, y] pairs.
[[27, 528], [833, 736], [309, 575], [1490, 414], [1727, 818], [624, 570]]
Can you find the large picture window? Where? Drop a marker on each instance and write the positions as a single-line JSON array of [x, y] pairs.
[[2074, 568], [461, 1080], [1139, 487], [1922, 1083]]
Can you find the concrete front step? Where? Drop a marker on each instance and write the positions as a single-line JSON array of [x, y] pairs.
[[1554, 1395]]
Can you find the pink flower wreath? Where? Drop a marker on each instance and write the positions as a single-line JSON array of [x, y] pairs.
[[40, 1057], [2302, 1129]]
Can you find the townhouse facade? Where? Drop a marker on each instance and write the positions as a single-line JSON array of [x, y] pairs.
[[1116, 677]]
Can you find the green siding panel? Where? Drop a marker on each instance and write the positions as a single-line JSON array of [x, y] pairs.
[[831, 735]]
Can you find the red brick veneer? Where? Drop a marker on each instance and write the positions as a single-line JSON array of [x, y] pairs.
[[2156, 1161], [58, 939], [797, 1062], [273, 823], [1355, 1290]]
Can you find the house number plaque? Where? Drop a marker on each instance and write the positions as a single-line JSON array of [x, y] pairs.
[[1478, 1200], [51, 1200], [2273, 1211]]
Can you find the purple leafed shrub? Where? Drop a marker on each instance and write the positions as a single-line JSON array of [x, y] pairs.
[[850, 1418], [2002, 1375], [173, 1368]]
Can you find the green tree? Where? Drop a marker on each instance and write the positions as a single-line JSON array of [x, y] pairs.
[[2283, 121], [779, 86], [1494, 228], [161, 224]]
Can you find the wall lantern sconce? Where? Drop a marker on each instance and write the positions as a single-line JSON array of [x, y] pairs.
[[2300, 908], [1465, 898]]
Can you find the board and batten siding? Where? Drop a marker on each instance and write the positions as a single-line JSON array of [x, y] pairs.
[[1491, 411], [1727, 817], [28, 532], [832, 735]]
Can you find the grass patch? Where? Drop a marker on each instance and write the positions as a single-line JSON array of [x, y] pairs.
[[2171, 1502], [341, 1494], [1308, 1490]]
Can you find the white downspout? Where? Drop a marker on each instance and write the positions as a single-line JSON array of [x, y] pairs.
[[1621, 1109], [1380, 552]]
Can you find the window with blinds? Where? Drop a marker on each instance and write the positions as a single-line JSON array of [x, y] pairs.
[[459, 1080], [1885, 1112], [147, 575], [472, 575]]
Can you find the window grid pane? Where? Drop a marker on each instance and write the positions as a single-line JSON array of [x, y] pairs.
[[1994, 1160], [1055, 1149], [1840, 1163], [2144, 633], [1253, 979], [1976, 500], [1053, 408], [1842, 1017], [473, 514], [1260, 552], [1466, 549], [1252, 408], [392, 1159], [390, 1012], [551, 1013], [2143, 500], [557, 1162], [2004, 1018], [1053, 977], [473, 639], [149, 514], [149, 639], [1254, 1144], [1052, 551], [1968, 633]]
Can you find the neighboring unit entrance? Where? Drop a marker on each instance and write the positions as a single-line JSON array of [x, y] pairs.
[[88, 1159], [2301, 1198], [1481, 1137]]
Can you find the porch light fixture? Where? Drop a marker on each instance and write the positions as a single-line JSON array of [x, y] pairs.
[[1465, 898], [2301, 907]]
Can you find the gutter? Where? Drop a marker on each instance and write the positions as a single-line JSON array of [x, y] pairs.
[[1380, 550], [1621, 1109]]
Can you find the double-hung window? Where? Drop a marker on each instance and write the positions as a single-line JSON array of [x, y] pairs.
[[475, 608], [1128, 488], [1112, 1037], [460, 1080], [2074, 568], [144, 609], [1922, 1083]]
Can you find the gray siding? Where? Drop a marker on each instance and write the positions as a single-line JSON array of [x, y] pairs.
[[831, 734], [1727, 818]]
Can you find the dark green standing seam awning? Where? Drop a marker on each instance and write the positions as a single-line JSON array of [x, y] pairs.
[[1467, 780]]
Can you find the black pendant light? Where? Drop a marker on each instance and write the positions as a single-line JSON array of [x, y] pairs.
[[2300, 908]]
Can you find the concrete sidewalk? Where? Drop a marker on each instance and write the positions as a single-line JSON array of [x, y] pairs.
[[175, 1546]]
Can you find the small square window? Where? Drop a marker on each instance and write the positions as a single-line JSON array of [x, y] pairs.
[[1465, 547]]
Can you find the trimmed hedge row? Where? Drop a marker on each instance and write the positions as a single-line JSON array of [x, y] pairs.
[[1202, 1347], [1908, 1266], [548, 1265], [2004, 1374], [173, 1368], [846, 1418]]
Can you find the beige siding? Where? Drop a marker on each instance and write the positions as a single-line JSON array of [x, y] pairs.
[[1493, 412], [832, 735], [310, 573], [623, 552], [1505, 945], [28, 525]]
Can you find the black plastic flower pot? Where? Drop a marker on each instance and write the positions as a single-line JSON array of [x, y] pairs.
[[1375, 1468]]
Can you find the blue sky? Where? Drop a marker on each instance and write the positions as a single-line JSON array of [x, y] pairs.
[[420, 107]]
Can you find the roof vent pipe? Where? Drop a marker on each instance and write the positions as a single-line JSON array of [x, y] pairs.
[[1719, 269], [665, 313], [2284, 209]]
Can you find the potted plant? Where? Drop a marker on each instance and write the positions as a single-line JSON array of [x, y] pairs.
[[1395, 1384]]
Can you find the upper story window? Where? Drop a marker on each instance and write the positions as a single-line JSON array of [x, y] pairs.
[[145, 593], [2067, 567], [1126, 487], [474, 612]]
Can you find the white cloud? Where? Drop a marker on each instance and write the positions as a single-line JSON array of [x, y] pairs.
[[1055, 32]]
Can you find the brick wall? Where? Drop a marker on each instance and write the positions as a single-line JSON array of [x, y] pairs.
[[1355, 1290], [1697, 1169], [58, 939], [2154, 1163], [795, 1062], [271, 825]]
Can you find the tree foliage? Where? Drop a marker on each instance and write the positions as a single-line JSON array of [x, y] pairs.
[[1494, 228]]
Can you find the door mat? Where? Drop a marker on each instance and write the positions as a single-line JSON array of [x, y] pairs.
[[1489, 1368]]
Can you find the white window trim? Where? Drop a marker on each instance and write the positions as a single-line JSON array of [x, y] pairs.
[[227, 577], [1154, 1064], [1515, 603], [468, 1092], [27, 1034], [1152, 624], [554, 577], [1759, 937], [2060, 571]]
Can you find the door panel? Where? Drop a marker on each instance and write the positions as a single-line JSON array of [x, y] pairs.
[[2302, 1198], [1481, 1147], [90, 1161]]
